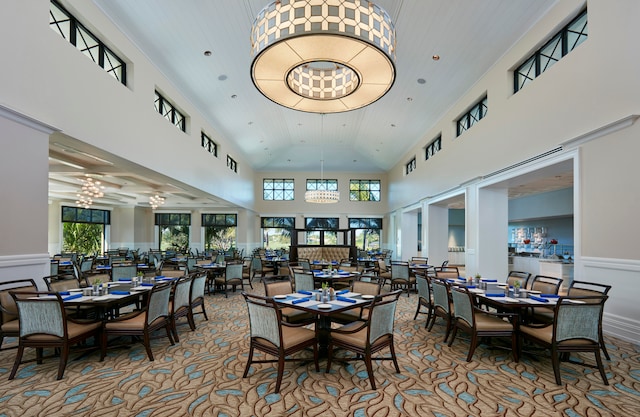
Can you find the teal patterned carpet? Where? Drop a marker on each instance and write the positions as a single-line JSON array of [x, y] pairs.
[[202, 376]]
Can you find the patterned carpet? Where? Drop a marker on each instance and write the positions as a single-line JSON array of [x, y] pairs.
[[202, 376]]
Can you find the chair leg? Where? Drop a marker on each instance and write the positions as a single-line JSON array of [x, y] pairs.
[[329, 357], [393, 357], [600, 367], [453, 335], [280, 373], [147, 346], [367, 361], [64, 356], [555, 361], [604, 347], [249, 361], [16, 363], [472, 347], [515, 349], [174, 329], [191, 320]]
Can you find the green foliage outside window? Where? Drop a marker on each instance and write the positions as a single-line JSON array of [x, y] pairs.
[[174, 238], [84, 238], [217, 237]]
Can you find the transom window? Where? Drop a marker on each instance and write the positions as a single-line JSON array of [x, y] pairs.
[[277, 189], [473, 116], [208, 144], [410, 166], [364, 190], [563, 42], [67, 26], [328, 185], [433, 148], [170, 112], [232, 164]]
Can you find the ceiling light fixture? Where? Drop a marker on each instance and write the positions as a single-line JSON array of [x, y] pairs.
[[155, 201], [89, 191], [323, 56], [324, 195]]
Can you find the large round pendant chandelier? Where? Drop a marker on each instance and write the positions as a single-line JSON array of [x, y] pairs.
[[323, 56]]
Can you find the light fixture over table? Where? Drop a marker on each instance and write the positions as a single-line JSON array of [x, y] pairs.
[[323, 56], [89, 191], [155, 201]]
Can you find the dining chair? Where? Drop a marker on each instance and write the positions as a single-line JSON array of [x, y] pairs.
[[55, 266], [576, 327], [232, 276], [44, 324], [303, 281], [401, 276], [546, 285], [442, 305], [304, 263], [56, 284], [9, 323], [425, 299], [479, 323], [447, 272], [123, 272], [361, 313], [283, 287], [142, 323], [246, 270], [585, 288], [180, 303], [419, 260], [196, 297], [170, 271], [270, 334], [383, 271], [517, 276], [366, 338]]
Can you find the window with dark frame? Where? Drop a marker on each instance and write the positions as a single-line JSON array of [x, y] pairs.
[[317, 184], [473, 116], [364, 190], [232, 164], [560, 44], [170, 112], [67, 26], [208, 144], [281, 189], [220, 230], [410, 166], [433, 147]]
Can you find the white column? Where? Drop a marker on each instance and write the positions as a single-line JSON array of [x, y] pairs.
[[493, 228]]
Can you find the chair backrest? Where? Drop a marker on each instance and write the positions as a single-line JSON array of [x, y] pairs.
[[578, 321], [399, 270], [123, 271], [382, 316], [191, 263], [181, 293], [220, 257], [198, 283], [158, 304], [256, 264], [584, 288], [447, 272], [303, 281], [86, 265], [545, 284], [264, 318], [518, 276], [280, 287], [419, 259], [40, 315], [424, 287], [445, 263], [117, 259], [304, 263], [233, 271], [382, 265], [463, 305], [55, 265], [57, 285], [440, 294], [8, 308], [367, 288]]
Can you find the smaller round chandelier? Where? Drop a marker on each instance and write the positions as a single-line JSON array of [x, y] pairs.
[[89, 191], [323, 56], [322, 196], [155, 201]]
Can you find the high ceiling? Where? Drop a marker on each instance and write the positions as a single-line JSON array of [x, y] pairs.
[[469, 36]]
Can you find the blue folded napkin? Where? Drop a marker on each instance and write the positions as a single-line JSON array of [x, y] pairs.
[[300, 300], [549, 295], [342, 292], [316, 262], [348, 300], [542, 299], [146, 284], [471, 286], [64, 293], [305, 292], [489, 280], [160, 276], [124, 279], [71, 297], [499, 294], [142, 264], [423, 264], [120, 292]]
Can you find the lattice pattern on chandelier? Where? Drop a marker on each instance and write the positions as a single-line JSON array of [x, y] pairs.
[[89, 191]]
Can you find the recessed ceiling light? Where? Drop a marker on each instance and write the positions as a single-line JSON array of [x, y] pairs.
[[234, 96], [392, 125], [207, 53], [409, 98], [222, 77], [436, 57], [422, 81]]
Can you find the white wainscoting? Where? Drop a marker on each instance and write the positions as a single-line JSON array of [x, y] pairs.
[[622, 310], [33, 265]]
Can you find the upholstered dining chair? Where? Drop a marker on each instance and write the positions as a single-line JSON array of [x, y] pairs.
[[232, 276], [44, 324], [546, 285], [520, 277], [283, 287], [142, 323], [585, 288], [419, 260], [303, 280], [196, 297], [366, 338], [425, 299], [358, 313], [123, 272], [179, 304], [576, 327], [401, 276], [447, 272], [383, 271], [171, 271], [9, 323], [247, 272], [270, 334], [442, 305], [479, 323]]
